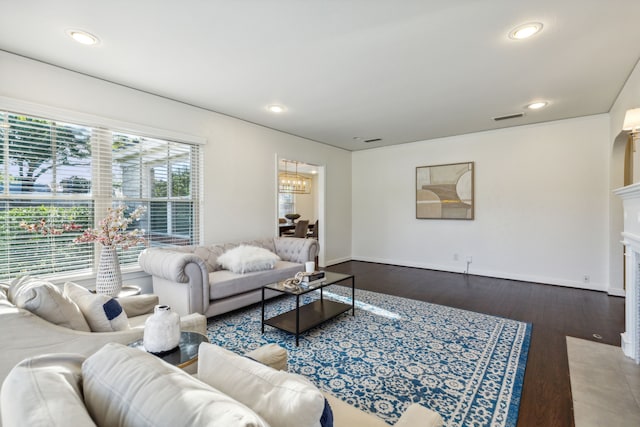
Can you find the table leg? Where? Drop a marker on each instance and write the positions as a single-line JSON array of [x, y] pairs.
[[353, 295], [297, 319], [263, 310]]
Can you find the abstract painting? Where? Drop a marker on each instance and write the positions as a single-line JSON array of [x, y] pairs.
[[444, 191]]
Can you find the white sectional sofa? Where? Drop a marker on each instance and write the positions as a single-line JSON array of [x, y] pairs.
[[122, 386], [24, 334], [190, 280]]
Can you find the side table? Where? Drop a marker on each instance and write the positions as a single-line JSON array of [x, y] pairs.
[[186, 353], [127, 290]]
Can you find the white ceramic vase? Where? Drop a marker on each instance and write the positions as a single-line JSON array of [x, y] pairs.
[[109, 279], [161, 330]]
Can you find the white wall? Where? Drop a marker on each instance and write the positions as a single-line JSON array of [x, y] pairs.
[[239, 197], [541, 202], [628, 98]]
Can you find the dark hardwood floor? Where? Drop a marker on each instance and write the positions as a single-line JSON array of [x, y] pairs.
[[555, 312]]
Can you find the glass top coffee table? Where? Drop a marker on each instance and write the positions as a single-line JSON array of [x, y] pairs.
[[308, 316], [185, 354]]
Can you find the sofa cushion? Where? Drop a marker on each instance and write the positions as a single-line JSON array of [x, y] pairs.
[[137, 305], [225, 283], [102, 312], [283, 399], [45, 300], [45, 391], [127, 387], [245, 259]]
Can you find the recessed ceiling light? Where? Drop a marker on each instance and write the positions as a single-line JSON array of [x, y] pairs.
[[275, 108], [537, 105], [82, 37], [525, 31]]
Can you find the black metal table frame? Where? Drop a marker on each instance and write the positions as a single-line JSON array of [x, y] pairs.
[[337, 307]]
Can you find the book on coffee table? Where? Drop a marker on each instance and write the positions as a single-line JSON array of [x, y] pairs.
[[313, 277]]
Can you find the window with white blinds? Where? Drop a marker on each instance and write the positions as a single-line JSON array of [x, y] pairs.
[[286, 204], [64, 176]]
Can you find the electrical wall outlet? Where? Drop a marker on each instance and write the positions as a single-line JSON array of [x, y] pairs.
[[469, 259]]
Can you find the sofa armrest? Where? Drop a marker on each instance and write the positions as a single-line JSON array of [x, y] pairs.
[[417, 415], [294, 249], [347, 415], [24, 335], [271, 355], [45, 390], [194, 322], [170, 265], [181, 280]]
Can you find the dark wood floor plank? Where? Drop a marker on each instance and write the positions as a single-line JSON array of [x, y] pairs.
[[555, 312]]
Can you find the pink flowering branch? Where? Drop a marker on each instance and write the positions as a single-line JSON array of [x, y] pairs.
[[112, 229], [46, 229]]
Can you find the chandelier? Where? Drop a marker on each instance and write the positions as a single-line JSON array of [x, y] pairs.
[[290, 182]]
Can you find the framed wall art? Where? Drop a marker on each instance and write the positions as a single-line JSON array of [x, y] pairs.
[[445, 191]]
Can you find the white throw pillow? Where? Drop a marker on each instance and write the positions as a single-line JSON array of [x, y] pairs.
[[283, 399], [16, 284], [244, 259], [125, 386], [103, 313], [45, 300]]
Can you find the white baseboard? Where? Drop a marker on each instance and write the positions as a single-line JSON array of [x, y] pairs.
[[617, 292], [497, 274], [626, 345], [327, 263]]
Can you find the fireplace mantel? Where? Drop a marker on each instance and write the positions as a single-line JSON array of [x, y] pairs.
[[631, 240]]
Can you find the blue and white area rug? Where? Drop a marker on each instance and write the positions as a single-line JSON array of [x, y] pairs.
[[468, 367]]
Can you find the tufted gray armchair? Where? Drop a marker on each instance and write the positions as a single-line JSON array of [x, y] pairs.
[[189, 279]]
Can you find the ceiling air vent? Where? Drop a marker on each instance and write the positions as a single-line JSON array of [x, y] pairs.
[[509, 116], [373, 140]]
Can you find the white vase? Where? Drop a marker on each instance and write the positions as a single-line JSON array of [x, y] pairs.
[[109, 279], [161, 330]]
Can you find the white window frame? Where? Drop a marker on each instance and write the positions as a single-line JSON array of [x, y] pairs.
[[101, 188]]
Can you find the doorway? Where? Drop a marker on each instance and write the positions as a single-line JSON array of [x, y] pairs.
[[300, 190]]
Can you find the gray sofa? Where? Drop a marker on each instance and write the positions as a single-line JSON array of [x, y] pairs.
[[189, 279]]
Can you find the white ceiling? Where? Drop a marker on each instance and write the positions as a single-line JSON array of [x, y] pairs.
[[398, 70]]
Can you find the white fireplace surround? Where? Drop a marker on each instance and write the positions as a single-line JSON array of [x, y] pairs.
[[631, 240]]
